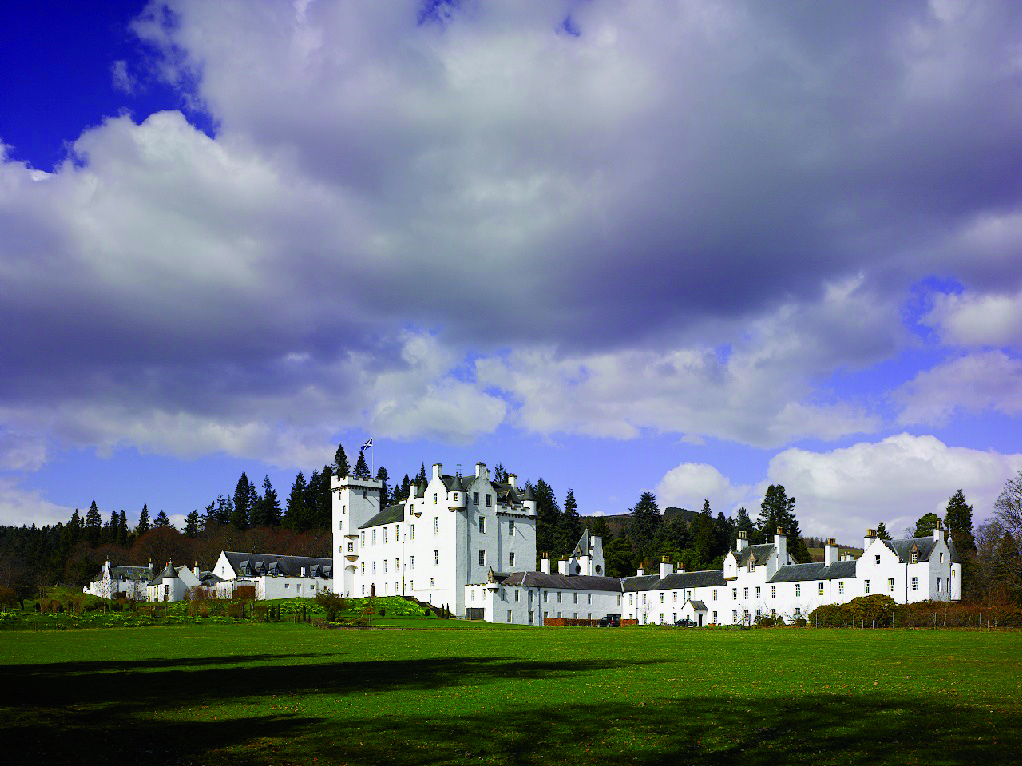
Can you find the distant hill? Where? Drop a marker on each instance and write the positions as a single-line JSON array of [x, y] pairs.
[[618, 521]]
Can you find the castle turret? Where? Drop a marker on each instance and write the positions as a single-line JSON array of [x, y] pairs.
[[355, 501]]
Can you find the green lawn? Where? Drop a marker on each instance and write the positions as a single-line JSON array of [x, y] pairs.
[[292, 694]]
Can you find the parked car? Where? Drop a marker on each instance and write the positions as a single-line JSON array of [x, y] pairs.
[[685, 623], [610, 622]]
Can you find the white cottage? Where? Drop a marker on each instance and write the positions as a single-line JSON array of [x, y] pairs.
[[272, 575], [121, 582]]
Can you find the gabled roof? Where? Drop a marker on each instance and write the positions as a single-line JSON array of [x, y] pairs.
[[678, 580], [564, 582], [584, 545], [273, 564], [923, 545], [129, 573], [816, 570], [389, 515], [762, 553], [699, 606]]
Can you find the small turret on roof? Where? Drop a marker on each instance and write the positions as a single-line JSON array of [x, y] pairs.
[[528, 494]]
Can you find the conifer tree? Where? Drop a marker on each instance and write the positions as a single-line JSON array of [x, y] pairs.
[[267, 507], [161, 520], [548, 518], [645, 524], [362, 467], [241, 518], [777, 511], [958, 520], [882, 532], [340, 467], [926, 524], [420, 477], [382, 476], [743, 523], [143, 522], [571, 523], [192, 524], [295, 515], [93, 524], [123, 534]]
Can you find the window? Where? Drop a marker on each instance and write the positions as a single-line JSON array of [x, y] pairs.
[[773, 591], [915, 583], [374, 537], [475, 498], [714, 594], [914, 558], [890, 584], [374, 567], [489, 501], [675, 594], [942, 557], [798, 590], [411, 562], [518, 595], [472, 594], [511, 559], [819, 588], [351, 547], [662, 597], [455, 497], [531, 616], [411, 585], [344, 509], [734, 615], [385, 565], [840, 587], [482, 525], [745, 592], [363, 567], [431, 582], [509, 615], [435, 496], [436, 558], [773, 613], [411, 531], [574, 598], [397, 565], [436, 526], [340, 525], [511, 527], [757, 591], [362, 539], [558, 597], [384, 535], [877, 557], [734, 594], [867, 586], [938, 585], [482, 558], [546, 595], [629, 599]]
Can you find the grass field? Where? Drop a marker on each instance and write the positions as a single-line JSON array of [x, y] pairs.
[[292, 694]]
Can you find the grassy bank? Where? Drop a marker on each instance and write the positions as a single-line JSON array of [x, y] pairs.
[[287, 693]]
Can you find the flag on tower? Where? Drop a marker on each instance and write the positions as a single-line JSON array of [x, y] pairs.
[[368, 444]]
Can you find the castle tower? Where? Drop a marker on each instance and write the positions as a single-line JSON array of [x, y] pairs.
[[354, 502]]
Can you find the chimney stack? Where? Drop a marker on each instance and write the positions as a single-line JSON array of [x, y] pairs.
[[640, 571], [544, 564], [743, 540], [869, 538], [562, 567], [830, 552], [666, 567], [437, 470], [512, 479], [781, 543], [938, 533]]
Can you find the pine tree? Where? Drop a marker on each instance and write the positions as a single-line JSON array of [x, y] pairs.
[[500, 475], [93, 524], [644, 527], [143, 522], [958, 520], [926, 524], [778, 512], [295, 515], [743, 523], [218, 512], [548, 518], [703, 534], [161, 520], [241, 518], [192, 524], [123, 534], [571, 523], [599, 527], [420, 477], [340, 467], [362, 467], [882, 532], [382, 476], [267, 512], [110, 528]]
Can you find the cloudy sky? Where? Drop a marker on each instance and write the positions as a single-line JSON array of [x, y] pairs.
[[687, 247]]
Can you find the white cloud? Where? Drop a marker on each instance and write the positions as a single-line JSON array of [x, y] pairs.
[[22, 506], [978, 319], [21, 451], [121, 78], [846, 491], [688, 484], [987, 381]]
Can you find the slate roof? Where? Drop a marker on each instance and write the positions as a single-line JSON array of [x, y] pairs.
[[390, 515], [678, 580], [273, 564], [639, 582], [564, 582], [816, 570], [699, 606], [129, 573], [925, 545], [762, 552]]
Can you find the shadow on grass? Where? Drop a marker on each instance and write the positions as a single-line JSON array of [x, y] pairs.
[[163, 717], [65, 669], [709, 731]]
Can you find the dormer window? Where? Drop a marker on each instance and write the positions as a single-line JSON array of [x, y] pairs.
[[914, 558], [455, 497]]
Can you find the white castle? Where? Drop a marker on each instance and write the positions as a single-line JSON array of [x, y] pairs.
[[469, 543]]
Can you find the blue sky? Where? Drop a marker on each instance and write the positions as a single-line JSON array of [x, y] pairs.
[[674, 247]]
